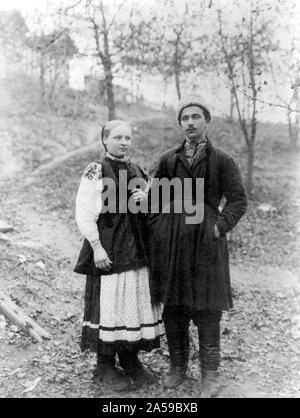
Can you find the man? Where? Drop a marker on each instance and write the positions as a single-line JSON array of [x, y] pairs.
[[189, 260]]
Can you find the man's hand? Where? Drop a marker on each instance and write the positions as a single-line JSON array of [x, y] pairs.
[[217, 232], [101, 259], [139, 195]]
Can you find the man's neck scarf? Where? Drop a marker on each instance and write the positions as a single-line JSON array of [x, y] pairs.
[[193, 149]]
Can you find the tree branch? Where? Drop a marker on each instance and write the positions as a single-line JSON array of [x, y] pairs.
[[96, 36], [287, 107], [231, 77], [103, 15], [253, 81], [115, 16], [54, 39], [66, 9]]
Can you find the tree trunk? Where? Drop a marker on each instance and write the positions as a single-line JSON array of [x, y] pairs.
[[18, 317], [107, 64], [75, 108], [297, 119], [54, 80], [177, 67], [250, 168], [105, 57], [42, 78], [292, 136], [232, 103], [177, 82], [110, 92]]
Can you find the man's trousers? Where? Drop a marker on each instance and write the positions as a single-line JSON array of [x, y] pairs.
[[177, 319]]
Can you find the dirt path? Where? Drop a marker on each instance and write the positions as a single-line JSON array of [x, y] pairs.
[[260, 337], [246, 354], [48, 230]]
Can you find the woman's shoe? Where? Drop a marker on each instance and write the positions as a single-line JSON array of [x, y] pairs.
[[107, 374], [135, 369], [141, 375], [112, 378]]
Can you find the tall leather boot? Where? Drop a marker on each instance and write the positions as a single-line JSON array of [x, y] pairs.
[[210, 384], [176, 327], [178, 368], [209, 344]]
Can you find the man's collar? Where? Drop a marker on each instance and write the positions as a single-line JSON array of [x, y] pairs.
[[208, 146], [180, 147], [190, 142]]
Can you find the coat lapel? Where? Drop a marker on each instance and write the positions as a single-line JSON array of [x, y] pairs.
[[180, 154], [181, 157], [200, 157]]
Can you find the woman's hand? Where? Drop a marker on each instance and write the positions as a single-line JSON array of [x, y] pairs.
[[217, 232], [101, 259], [139, 195]]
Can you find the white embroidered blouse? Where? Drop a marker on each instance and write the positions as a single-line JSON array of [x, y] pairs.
[[88, 201]]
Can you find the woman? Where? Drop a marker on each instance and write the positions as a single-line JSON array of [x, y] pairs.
[[119, 317]]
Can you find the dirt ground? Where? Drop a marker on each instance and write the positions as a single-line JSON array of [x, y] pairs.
[[260, 336]]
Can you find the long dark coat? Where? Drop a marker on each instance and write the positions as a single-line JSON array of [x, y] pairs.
[[189, 266]]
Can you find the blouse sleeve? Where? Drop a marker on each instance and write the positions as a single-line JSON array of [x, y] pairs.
[[88, 202]]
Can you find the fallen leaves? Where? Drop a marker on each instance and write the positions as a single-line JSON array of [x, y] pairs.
[[257, 342], [31, 385]]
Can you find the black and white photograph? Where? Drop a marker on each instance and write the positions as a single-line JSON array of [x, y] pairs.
[[149, 201]]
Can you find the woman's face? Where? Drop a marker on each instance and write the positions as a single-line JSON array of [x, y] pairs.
[[118, 142]]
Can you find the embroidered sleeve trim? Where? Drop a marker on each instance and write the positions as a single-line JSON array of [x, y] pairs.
[[93, 171]]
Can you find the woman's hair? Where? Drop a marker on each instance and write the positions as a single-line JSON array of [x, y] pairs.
[[107, 128]]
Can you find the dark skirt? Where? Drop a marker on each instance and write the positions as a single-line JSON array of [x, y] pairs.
[[91, 324]]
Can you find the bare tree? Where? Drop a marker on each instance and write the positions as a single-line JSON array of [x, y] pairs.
[[13, 30], [170, 44], [244, 54], [286, 71], [53, 51], [106, 23], [102, 34]]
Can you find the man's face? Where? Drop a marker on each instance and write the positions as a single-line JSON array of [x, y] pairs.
[[193, 123]]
